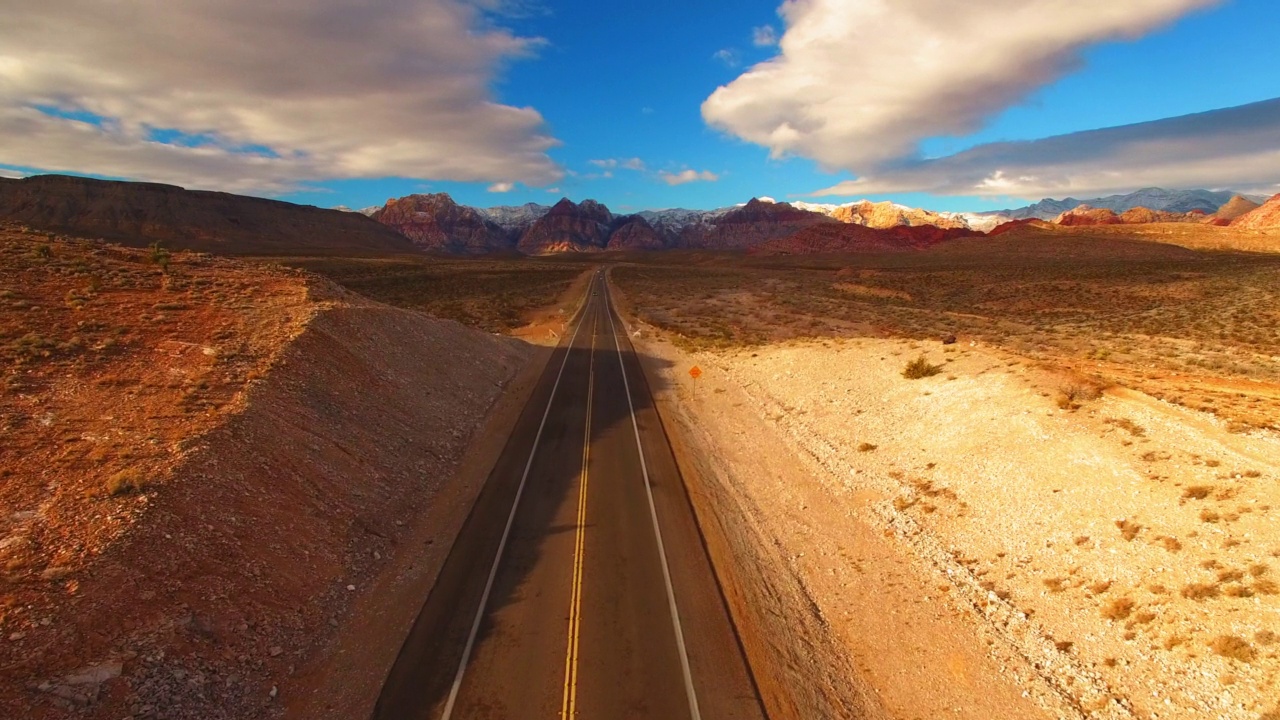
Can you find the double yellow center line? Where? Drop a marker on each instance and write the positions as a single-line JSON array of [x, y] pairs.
[[569, 704]]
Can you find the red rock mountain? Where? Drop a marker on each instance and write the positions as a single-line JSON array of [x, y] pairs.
[[436, 223], [1087, 215], [1264, 217], [1017, 224], [1234, 208], [633, 232], [568, 227], [850, 238], [142, 213], [750, 225], [887, 215]]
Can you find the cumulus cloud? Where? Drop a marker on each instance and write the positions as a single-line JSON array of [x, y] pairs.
[[764, 36], [501, 187], [687, 176], [249, 96], [859, 83], [1237, 148]]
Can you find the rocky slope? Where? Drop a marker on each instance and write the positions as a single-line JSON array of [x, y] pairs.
[[142, 213], [632, 232], [1264, 217], [568, 227], [754, 223], [1088, 215], [258, 449], [849, 238], [436, 223], [1235, 207], [515, 219]]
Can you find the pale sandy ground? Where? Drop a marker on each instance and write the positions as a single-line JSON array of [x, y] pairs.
[[994, 556]]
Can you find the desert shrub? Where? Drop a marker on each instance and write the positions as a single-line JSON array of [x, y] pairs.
[[866, 447], [1197, 492], [159, 255], [1118, 609], [1073, 393], [125, 482], [920, 368], [1233, 647], [1200, 591], [1128, 530]]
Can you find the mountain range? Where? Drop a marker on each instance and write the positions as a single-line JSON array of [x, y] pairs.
[[1153, 198], [142, 213]]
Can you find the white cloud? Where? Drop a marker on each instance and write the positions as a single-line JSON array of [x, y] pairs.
[[728, 56], [687, 176], [501, 187], [764, 36], [1236, 148], [634, 163], [278, 94], [11, 174], [859, 83]]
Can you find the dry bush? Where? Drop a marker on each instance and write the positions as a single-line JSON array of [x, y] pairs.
[[866, 447], [1129, 530], [1077, 390], [1266, 586], [1056, 584], [1233, 647], [125, 482], [1200, 591], [1172, 544], [920, 368], [1119, 608], [1128, 425], [1197, 492]]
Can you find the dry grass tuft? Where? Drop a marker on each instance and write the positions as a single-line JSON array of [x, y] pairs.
[[1233, 647], [1197, 492], [1119, 608], [866, 447], [1200, 591], [920, 368], [1129, 530], [126, 482]]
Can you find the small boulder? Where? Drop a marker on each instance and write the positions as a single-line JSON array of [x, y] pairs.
[[949, 340]]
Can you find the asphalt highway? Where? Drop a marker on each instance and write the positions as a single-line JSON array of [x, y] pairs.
[[579, 586]]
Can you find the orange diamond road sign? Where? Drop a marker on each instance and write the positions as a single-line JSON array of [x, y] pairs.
[[695, 372]]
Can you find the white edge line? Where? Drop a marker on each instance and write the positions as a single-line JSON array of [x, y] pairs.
[[653, 515], [506, 532]]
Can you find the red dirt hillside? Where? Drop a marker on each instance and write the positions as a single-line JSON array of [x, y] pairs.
[[1264, 217], [205, 463], [846, 238], [1012, 225], [139, 214], [1235, 207]]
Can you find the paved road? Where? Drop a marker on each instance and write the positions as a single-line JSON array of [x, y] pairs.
[[579, 586]]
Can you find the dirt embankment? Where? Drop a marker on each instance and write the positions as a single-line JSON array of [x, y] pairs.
[[285, 448], [963, 546]]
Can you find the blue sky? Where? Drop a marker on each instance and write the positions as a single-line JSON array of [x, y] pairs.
[[579, 82]]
